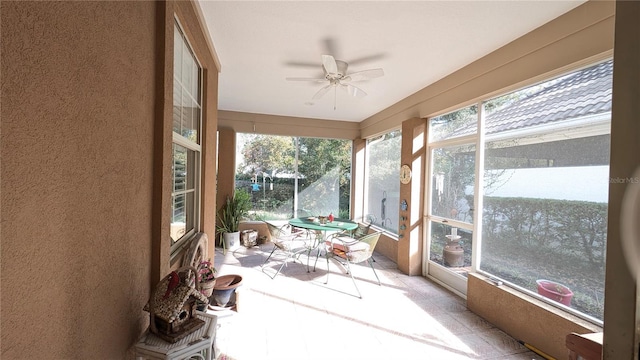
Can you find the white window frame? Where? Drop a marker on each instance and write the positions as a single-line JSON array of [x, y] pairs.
[[432, 270], [440, 273], [365, 201], [178, 139]]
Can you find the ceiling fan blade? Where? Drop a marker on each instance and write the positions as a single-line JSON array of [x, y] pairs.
[[367, 58], [302, 64], [329, 64], [365, 75], [353, 90], [306, 79], [321, 92], [331, 46]]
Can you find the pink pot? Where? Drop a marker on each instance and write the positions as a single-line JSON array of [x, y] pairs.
[[555, 291]]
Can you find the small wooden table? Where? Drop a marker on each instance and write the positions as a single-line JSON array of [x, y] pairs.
[[198, 344]]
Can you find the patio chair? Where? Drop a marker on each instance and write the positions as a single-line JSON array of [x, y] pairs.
[[289, 241], [360, 231], [349, 250]]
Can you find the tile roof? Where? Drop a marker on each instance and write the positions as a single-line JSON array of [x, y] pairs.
[[585, 92]]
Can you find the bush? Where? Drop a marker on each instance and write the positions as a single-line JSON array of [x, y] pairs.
[[565, 241]]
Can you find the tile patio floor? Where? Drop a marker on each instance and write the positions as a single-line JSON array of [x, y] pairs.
[[297, 316]]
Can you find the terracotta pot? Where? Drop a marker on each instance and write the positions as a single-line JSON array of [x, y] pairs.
[[555, 291], [225, 287], [206, 287]]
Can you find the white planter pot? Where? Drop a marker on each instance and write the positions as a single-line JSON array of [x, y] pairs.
[[231, 240]]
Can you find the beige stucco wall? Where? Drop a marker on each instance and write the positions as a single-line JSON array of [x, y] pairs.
[[86, 124], [410, 240], [287, 126], [77, 142], [226, 165]]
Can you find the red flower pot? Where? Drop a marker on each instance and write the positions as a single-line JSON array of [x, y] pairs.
[[555, 291]]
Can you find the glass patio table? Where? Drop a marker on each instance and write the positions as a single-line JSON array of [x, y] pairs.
[[312, 223]]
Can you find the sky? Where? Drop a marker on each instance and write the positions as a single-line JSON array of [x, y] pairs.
[[584, 183]]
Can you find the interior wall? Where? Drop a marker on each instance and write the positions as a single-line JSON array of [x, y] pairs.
[[621, 301], [524, 318], [288, 126], [77, 117], [358, 158], [388, 247], [226, 164], [410, 239], [86, 150], [210, 159]]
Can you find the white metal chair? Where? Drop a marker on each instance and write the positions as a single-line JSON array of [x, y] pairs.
[[288, 241], [352, 251]]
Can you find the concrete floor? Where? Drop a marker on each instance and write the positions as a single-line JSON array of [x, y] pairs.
[[297, 316]]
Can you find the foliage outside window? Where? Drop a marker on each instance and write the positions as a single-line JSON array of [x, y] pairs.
[[294, 176], [187, 111], [453, 164], [455, 124], [381, 181], [545, 213]]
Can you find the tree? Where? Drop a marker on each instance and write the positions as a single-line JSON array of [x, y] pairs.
[[324, 164], [267, 153]]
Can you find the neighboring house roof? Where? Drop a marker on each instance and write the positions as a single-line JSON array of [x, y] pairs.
[[585, 92]]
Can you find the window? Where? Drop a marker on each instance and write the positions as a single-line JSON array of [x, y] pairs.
[[546, 187], [294, 176], [187, 110], [541, 175], [382, 187], [452, 147]]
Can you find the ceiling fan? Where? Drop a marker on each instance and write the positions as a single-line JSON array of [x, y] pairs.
[[335, 72]]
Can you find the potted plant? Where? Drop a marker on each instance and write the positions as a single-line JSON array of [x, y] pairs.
[[206, 277], [229, 216]]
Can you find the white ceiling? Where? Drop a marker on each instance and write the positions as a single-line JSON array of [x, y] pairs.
[[260, 43]]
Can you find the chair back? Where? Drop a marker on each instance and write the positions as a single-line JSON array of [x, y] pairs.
[[371, 240], [276, 231], [362, 230], [284, 232], [357, 253]]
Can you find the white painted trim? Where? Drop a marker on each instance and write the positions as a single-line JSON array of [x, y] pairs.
[[450, 280]]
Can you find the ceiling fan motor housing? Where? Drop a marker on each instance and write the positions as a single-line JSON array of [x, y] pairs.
[[342, 71], [335, 71]]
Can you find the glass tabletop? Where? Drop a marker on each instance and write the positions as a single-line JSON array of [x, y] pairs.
[[312, 223]]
